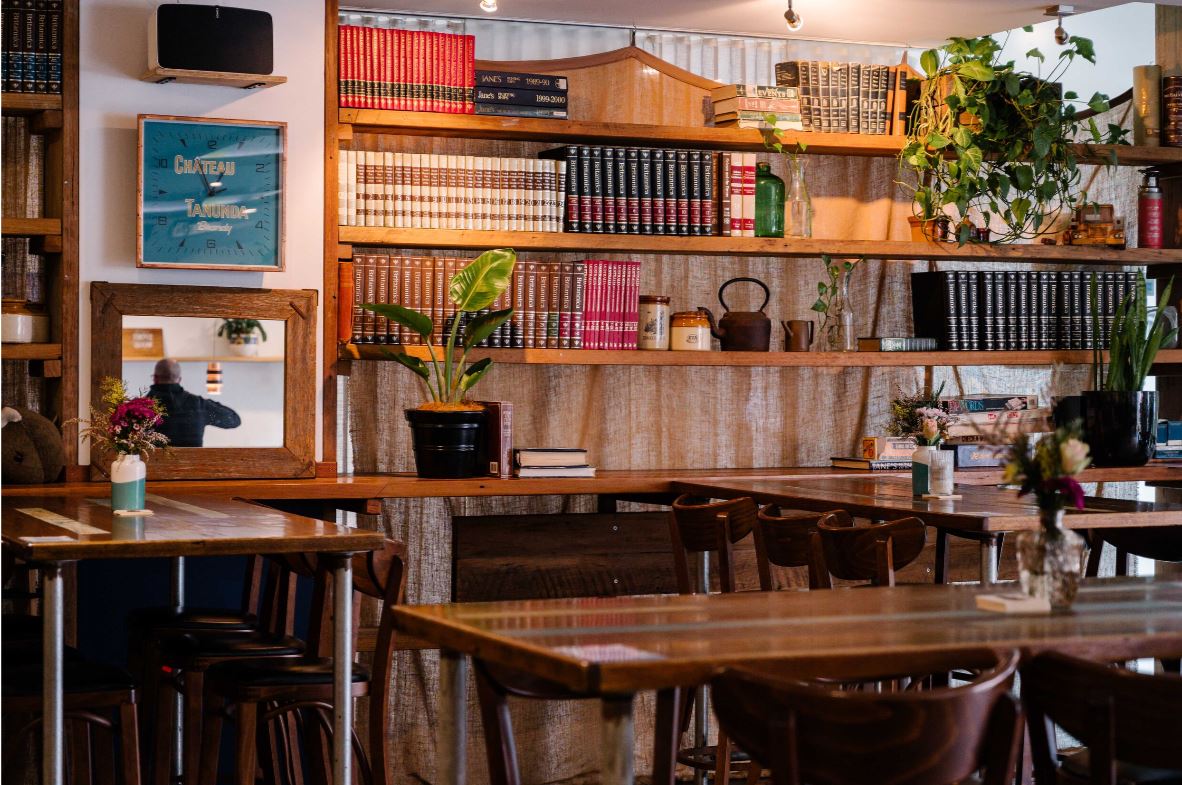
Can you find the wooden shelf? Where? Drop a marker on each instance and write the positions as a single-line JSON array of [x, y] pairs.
[[161, 75], [29, 103], [31, 351], [230, 358], [31, 227], [1165, 358], [745, 139], [463, 239]]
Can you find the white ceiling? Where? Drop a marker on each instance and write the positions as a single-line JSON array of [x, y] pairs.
[[916, 23]]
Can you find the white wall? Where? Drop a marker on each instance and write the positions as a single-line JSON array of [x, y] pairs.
[[113, 56]]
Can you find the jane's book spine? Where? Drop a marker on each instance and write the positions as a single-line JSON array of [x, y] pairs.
[[521, 81], [515, 97]]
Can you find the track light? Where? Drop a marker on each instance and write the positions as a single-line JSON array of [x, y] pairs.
[[488, 6], [213, 378], [792, 18], [1059, 11]]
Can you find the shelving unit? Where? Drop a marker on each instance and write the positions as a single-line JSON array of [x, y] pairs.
[[32, 227], [232, 358], [32, 351], [161, 75], [29, 103]]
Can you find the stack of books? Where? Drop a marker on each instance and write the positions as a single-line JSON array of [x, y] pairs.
[[748, 106], [436, 191], [1169, 440], [552, 462], [409, 70], [509, 94], [848, 98], [32, 47], [989, 310], [880, 453], [983, 424]]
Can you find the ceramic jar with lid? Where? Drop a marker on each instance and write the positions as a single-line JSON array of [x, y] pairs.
[[24, 323], [653, 323], [690, 332]]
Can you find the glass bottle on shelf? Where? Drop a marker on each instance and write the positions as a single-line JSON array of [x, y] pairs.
[[799, 208], [769, 202], [836, 333]]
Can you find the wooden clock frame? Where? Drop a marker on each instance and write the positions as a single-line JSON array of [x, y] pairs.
[[281, 256]]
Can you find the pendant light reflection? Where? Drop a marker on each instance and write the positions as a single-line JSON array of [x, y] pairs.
[[488, 6], [213, 378], [792, 19]]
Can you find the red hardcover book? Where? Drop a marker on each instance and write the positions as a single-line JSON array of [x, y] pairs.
[[496, 451], [445, 69], [386, 78], [349, 65], [342, 66], [366, 59], [398, 50], [411, 70], [748, 194], [606, 273], [469, 81], [436, 61], [633, 306], [617, 307], [455, 62]]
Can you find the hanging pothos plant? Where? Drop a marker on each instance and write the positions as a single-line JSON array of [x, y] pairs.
[[988, 136]]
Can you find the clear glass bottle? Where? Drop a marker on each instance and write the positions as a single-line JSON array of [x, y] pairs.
[[836, 333], [769, 202], [798, 206]]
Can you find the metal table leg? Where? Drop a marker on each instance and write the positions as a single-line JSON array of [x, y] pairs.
[[342, 673], [51, 679], [702, 694], [176, 599], [617, 740], [989, 561], [451, 735]]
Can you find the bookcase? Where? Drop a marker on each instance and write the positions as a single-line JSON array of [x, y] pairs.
[[40, 228], [629, 97]]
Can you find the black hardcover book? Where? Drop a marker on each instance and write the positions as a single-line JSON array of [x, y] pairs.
[[1010, 331], [998, 317], [671, 192], [708, 212], [13, 58], [963, 313], [609, 188], [1044, 313], [571, 154], [597, 183], [695, 192], [1054, 312], [28, 22], [520, 80], [632, 175], [683, 192], [988, 317], [646, 190], [41, 47], [1111, 300], [514, 97], [1024, 311], [1089, 309], [511, 110], [54, 59], [1073, 309], [621, 191], [971, 319], [933, 308], [659, 172], [586, 206]]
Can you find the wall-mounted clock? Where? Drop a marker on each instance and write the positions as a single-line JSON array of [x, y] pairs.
[[211, 193]]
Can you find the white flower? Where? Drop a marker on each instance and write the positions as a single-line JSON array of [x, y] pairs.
[[931, 429], [1074, 457]]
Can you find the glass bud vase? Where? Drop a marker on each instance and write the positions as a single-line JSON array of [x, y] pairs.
[[836, 333], [1049, 561], [769, 202], [798, 207]]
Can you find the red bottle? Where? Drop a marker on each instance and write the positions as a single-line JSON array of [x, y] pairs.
[[1150, 212]]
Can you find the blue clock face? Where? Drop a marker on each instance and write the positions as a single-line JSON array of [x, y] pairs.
[[212, 194]]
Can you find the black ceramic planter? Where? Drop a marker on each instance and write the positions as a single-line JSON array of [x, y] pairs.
[[1120, 426], [445, 442]]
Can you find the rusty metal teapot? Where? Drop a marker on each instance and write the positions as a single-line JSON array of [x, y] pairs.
[[742, 331]]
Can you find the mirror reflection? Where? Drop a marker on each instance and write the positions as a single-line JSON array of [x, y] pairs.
[[221, 380]]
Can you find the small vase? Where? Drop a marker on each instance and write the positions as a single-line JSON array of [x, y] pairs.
[[798, 208], [942, 472], [128, 475], [769, 202], [1049, 560], [836, 333], [921, 471]]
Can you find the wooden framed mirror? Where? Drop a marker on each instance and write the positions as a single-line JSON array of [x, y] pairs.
[[242, 411]]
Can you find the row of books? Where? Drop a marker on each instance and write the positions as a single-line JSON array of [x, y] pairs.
[[848, 98], [751, 106], [969, 310], [552, 462], [32, 46], [513, 94], [590, 304], [409, 70], [437, 191]]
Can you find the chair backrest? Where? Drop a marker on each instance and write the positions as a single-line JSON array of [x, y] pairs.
[[1118, 714], [863, 553], [699, 525], [1158, 543], [782, 540], [824, 735]]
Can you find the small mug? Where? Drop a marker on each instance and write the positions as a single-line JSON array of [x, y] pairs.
[[798, 334]]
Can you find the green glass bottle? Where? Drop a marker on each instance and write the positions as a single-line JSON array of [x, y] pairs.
[[769, 202]]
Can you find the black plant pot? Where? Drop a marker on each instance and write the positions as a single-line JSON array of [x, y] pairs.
[[445, 442], [1120, 427]]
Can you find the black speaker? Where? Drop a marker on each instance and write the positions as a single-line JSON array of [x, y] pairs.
[[211, 38]]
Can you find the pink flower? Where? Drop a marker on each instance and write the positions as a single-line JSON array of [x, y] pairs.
[[931, 429], [1073, 455], [1068, 487]]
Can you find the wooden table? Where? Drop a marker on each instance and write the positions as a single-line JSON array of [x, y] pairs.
[[982, 513], [615, 647], [50, 530]]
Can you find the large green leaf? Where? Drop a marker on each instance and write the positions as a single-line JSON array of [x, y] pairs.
[[474, 372], [929, 61], [483, 326], [407, 317], [412, 362], [482, 281], [975, 69]]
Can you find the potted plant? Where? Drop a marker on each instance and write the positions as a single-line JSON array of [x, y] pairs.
[[125, 426], [1049, 557], [836, 333], [1120, 418], [446, 428], [988, 137], [243, 335]]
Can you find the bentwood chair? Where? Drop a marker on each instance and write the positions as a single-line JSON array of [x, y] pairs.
[[823, 734], [271, 690], [782, 540], [1130, 723], [862, 553]]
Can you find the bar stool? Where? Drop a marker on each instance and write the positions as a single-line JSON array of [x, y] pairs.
[[862, 553], [782, 540], [269, 689]]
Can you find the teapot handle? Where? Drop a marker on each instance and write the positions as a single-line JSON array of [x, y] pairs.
[[767, 294]]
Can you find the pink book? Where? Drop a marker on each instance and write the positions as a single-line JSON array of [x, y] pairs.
[[469, 74], [617, 307], [594, 337], [633, 305]]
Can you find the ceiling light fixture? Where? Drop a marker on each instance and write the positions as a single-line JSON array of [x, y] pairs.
[[488, 6], [1059, 11], [792, 18]]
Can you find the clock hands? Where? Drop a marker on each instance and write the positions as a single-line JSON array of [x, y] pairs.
[[210, 189]]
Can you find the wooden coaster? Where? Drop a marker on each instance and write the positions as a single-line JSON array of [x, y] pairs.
[[927, 497], [131, 513]]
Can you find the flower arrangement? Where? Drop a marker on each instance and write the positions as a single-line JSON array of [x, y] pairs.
[[1048, 468], [919, 415], [124, 425]]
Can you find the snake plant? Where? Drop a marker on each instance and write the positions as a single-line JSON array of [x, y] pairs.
[[1134, 341]]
